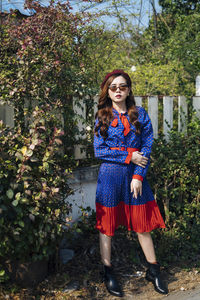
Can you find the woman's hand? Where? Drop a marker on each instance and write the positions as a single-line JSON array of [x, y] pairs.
[[136, 187], [138, 159]]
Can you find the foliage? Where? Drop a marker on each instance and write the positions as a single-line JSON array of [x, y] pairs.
[[180, 7], [184, 43], [48, 59], [33, 189], [104, 52], [174, 175], [161, 79], [41, 62], [167, 55]]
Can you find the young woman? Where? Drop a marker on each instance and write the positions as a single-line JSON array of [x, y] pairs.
[[123, 140]]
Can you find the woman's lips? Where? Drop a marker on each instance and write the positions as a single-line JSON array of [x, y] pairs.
[[118, 96]]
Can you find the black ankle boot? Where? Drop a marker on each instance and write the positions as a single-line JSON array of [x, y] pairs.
[[153, 275], [111, 282]]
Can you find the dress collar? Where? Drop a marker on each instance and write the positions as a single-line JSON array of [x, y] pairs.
[[115, 112]]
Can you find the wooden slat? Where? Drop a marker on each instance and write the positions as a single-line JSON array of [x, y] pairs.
[[197, 83], [80, 110], [182, 114], [96, 101], [138, 100], [167, 115], [153, 113], [7, 114], [196, 105]]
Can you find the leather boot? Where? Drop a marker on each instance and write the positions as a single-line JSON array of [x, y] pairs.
[[153, 275], [111, 282]]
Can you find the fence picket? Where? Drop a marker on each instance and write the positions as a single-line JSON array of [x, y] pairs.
[[138, 100], [80, 110], [167, 115], [96, 101], [153, 113], [196, 105], [182, 114], [7, 114]]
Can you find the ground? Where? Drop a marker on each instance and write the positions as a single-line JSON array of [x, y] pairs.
[[81, 277]]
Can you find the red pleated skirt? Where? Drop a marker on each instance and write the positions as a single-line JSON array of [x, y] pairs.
[[115, 204]]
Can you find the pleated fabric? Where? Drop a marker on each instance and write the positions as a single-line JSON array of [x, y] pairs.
[[115, 204]]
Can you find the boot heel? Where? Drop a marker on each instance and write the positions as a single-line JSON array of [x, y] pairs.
[[111, 282], [153, 275]]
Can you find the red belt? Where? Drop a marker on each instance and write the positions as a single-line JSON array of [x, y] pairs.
[[125, 149]]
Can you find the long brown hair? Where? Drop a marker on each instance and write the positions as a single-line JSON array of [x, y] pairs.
[[105, 114]]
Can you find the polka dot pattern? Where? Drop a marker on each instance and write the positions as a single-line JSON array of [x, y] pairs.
[[116, 138], [114, 202]]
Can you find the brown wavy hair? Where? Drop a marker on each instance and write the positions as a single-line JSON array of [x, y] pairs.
[[105, 114]]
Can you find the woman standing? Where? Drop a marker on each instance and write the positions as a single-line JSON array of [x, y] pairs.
[[123, 140]]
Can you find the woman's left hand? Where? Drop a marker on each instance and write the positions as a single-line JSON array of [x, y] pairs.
[[136, 187]]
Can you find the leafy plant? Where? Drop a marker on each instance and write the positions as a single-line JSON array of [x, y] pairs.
[[33, 190], [174, 176]]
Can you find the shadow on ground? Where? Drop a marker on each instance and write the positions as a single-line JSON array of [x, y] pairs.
[[81, 278]]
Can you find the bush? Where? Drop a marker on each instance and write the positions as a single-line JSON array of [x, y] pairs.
[[174, 176], [33, 190]]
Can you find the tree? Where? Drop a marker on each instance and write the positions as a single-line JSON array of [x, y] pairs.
[[180, 7], [41, 72]]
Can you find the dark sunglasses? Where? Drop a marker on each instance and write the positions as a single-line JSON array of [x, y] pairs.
[[122, 87]]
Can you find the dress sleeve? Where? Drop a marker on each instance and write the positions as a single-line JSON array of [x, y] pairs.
[[146, 145], [103, 151]]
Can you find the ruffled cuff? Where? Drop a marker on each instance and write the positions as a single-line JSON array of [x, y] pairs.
[[138, 177]]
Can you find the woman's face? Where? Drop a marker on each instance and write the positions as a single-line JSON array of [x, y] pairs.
[[118, 90]]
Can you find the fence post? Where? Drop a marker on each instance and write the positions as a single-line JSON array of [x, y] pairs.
[[182, 114], [138, 100], [7, 114], [96, 101], [153, 113], [80, 115], [167, 115], [198, 85], [196, 99]]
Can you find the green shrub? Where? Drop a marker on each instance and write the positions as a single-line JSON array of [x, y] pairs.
[[33, 190], [174, 177]]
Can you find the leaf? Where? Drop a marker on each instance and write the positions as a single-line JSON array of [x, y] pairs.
[[55, 190], [24, 200], [15, 203], [33, 159], [10, 193], [29, 153], [19, 155], [32, 217], [24, 150], [32, 147], [2, 272], [21, 223], [58, 141], [17, 196]]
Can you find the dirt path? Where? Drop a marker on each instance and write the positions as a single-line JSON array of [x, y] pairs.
[[81, 277], [186, 295]]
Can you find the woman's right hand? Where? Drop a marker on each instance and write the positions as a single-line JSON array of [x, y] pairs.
[[138, 159]]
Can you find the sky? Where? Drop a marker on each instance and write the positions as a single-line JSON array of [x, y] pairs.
[[6, 5], [138, 12]]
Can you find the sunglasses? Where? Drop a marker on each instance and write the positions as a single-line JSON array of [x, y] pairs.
[[114, 88]]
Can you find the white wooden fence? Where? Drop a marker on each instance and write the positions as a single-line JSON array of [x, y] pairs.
[[153, 102]]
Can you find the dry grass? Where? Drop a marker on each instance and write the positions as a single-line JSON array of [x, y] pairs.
[[85, 271]]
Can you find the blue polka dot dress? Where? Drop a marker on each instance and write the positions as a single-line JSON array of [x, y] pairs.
[[115, 204]]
